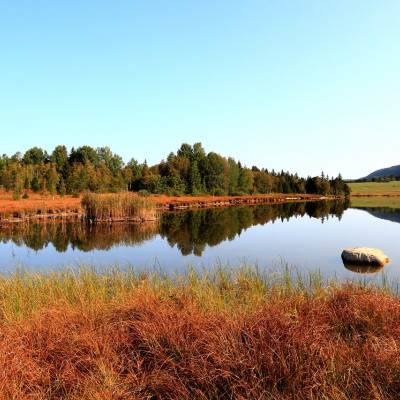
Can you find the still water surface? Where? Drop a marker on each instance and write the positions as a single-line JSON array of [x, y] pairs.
[[308, 235]]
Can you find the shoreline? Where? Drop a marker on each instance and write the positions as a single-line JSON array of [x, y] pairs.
[[70, 209], [192, 203]]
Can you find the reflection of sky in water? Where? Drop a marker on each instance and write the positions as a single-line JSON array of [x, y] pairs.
[[302, 241]]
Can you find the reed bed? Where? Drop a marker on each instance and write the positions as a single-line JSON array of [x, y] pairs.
[[118, 207], [216, 334]]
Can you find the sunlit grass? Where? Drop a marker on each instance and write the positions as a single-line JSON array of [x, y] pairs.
[[118, 207], [220, 333], [24, 291], [392, 187]]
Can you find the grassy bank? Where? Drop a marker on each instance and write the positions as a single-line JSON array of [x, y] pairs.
[[375, 188], [39, 207], [222, 334]]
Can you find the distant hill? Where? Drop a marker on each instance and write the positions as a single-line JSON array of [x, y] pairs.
[[395, 170]]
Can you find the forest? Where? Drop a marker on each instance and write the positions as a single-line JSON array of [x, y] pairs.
[[191, 171]]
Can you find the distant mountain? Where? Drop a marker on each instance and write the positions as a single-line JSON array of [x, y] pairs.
[[395, 170]]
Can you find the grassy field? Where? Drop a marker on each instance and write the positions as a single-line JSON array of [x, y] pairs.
[[392, 187], [222, 334], [387, 202]]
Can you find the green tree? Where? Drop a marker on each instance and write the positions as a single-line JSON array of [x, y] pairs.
[[263, 182], [233, 177], [216, 173], [246, 180], [17, 181], [83, 154], [194, 179], [52, 180], [346, 189], [62, 190], [59, 157], [35, 156], [113, 161], [185, 151], [198, 153]]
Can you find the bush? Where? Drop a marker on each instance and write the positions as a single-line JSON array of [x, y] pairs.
[[75, 195], [144, 193], [35, 184], [219, 192], [239, 193], [25, 196], [16, 195]]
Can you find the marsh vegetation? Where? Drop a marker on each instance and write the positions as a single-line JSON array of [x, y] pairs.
[[224, 333]]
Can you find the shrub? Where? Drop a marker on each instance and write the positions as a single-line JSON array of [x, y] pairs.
[[219, 192], [144, 193]]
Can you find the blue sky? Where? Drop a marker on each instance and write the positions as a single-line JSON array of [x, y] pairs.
[[302, 86]]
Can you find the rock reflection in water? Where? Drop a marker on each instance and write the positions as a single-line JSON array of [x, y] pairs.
[[190, 231], [363, 269]]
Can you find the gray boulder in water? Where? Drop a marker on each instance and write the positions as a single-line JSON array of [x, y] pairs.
[[364, 256]]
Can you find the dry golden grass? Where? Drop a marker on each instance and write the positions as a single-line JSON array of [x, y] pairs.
[[36, 202], [118, 207], [219, 335]]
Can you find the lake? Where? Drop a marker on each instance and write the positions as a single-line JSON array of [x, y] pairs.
[[309, 235]]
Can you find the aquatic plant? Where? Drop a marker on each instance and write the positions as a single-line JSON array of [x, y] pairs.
[[118, 207]]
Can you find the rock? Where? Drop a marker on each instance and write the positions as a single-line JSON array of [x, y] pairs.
[[364, 256]]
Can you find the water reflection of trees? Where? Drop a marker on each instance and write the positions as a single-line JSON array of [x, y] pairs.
[[388, 213], [190, 231], [77, 235]]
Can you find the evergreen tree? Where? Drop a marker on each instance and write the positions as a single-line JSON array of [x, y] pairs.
[[35, 156], [59, 157]]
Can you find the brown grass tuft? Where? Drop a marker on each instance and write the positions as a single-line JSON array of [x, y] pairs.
[[187, 339], [118, 207]]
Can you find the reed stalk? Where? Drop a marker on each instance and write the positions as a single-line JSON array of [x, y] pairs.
[[125, 206]]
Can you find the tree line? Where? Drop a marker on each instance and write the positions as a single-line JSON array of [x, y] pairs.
[[386, 178], [190, 171]]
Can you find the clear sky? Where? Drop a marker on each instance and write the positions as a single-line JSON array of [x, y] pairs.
[[302, 86]]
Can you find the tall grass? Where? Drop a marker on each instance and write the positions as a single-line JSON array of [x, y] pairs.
[[118, 207], [215, 334]]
